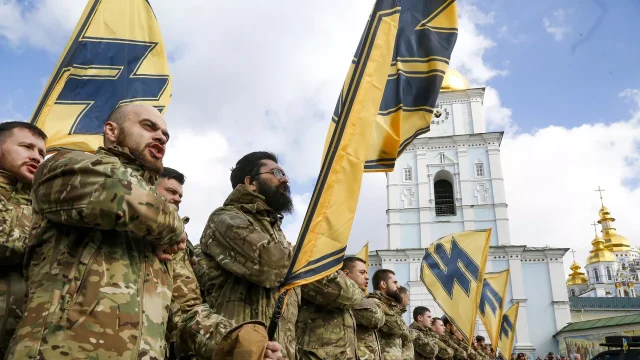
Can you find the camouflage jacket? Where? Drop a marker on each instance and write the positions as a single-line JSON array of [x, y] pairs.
[[244, 258], [369, 318], [408, 337], [452, 343], [425, 346], [95, 284], [15, 219], [391, 333], [325, 328], [444, 352]]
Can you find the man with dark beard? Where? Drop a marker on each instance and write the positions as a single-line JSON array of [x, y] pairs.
[[244, 254], [386, 293], [96, 287]]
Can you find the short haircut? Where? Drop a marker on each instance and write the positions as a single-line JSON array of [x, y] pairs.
[[8, 126], [249, 165], [403, 290], [349, 262], [419, 311], [446, 321], [172, 174], [435, 319], [381, 275], [117, 116], [480, 338]]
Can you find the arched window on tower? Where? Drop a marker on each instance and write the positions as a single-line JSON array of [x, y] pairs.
[[407, 174], [626, 293], [444, 193], [608, 273], [573, 292], [596, 275]]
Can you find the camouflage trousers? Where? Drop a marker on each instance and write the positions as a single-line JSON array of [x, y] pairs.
[[12, 301]]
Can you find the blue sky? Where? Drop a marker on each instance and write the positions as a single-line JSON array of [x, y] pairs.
[[554, 69]]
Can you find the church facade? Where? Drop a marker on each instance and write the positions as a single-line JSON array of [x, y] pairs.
[[450, 180]]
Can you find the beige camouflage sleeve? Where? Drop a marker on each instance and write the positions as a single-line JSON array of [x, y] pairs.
[[80, 189], [368, 313], [244, 250], [424, 345], [393, 323], [193, 325], [335, 290]]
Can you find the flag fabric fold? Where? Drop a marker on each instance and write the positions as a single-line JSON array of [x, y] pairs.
[[115, 56], [494, 291], [397, 72], [453, 271], [508, 330]]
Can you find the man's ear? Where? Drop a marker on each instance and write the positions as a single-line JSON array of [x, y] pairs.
[[110, 132]]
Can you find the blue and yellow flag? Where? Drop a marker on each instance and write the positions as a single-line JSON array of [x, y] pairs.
[[453, 272], [508, 330], [387, 98], [115, 56], [494, 290]]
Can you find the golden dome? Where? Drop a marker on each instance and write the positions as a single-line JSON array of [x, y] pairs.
[[576, 277], [454, 81], [599, 253], [612, 241]]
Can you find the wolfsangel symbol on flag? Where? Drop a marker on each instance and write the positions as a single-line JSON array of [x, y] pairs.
[[115, 56], [508, 329], [386, 101], [453, 272], [490, 308]]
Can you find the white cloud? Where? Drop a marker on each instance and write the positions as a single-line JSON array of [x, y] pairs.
[[43, 24], [555, 24], [506, 33], [468, 54], [550, 178]]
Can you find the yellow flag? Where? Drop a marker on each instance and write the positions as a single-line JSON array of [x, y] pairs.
[[508, 330], [115, 56], [395, 76], [494, 290], [453, 272], [364, 254]]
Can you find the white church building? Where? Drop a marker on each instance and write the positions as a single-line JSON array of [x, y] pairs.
[[450, 180]]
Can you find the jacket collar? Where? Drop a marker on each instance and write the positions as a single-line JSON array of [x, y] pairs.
[[9, 185], [249, 201], [125, 157]]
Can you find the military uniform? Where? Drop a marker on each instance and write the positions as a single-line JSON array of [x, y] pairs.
[[407, 338], [369, 318], [96, 287], [326, 328], [244, 258], [390, 334], [15, 219], [444, 352], [425, 346], [452, 343]]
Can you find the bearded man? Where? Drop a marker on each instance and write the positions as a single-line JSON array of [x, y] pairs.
[[244, 255], [96, 286], [389, 299]]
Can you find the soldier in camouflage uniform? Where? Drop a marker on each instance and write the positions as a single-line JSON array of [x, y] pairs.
[[245, 255], [437, 331], [479, 347], [408, 336], [450, 338], [424, 345], [386, 293], [367, 314], [96, 287], [22, 149], [325, 328]]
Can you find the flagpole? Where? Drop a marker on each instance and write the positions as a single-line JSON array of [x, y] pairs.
[[277, 314]]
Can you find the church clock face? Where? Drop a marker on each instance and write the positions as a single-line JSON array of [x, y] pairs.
[[440, 115]]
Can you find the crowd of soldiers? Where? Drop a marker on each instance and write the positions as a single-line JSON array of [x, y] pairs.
[[96, 264]]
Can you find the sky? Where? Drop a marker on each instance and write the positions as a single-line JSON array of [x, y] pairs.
[[561, 80]]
